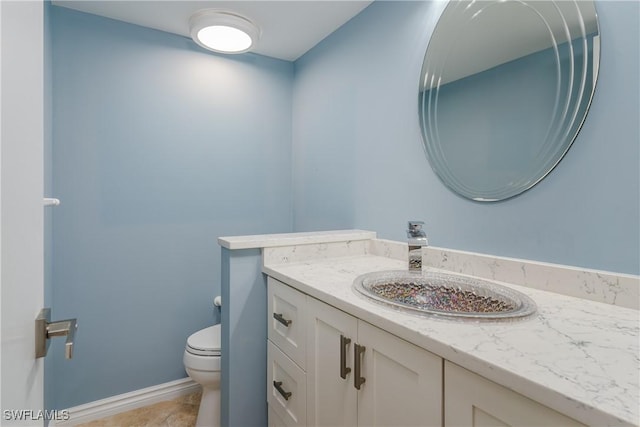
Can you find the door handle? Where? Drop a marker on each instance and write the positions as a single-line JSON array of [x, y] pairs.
[[344, 370], [45, 330], [283, 393], [358, 351], [280, 318]]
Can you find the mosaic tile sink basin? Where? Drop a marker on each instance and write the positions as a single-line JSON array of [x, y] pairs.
[[444, 294]]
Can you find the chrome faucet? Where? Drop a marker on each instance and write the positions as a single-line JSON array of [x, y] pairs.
[[417, 240]]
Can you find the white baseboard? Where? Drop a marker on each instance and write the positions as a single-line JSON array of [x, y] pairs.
[[125, 402]]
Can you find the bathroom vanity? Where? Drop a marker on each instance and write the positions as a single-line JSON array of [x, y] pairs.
[[384, 381], [337, 358]]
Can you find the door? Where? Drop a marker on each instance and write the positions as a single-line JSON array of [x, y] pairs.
[[403, 382], [331, 396], [473, 401], [21, 209]]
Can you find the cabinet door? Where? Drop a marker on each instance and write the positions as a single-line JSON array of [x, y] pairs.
[[286, 388], [287, 320], [471, 400], [331, 399], [403, 383], [274, 418]]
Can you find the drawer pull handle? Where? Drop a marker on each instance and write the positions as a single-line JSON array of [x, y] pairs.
[[282, 320], [344, 370], [358, 351], [283, 393]]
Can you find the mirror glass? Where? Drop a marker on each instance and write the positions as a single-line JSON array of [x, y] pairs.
[[504, 90]]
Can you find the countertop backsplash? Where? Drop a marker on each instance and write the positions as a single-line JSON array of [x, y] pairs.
[[602, 286]]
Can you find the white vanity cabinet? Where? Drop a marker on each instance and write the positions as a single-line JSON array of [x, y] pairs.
[[471, 400], [356, 374], [329, 368]]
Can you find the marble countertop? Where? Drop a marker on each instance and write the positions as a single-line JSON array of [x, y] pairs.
[[288, 239], [576, 356]]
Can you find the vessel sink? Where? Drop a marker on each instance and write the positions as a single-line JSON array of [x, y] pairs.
[[445, 295]]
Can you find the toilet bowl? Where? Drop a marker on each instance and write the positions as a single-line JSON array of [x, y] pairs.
[[202, 363]]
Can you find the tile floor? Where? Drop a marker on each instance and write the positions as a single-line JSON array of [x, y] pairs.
[[179, 412]]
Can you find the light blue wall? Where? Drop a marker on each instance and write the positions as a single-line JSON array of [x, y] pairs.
[[158, 149], [357, 143], [244, 339]]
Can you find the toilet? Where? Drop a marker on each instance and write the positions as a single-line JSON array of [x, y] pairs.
[[202, 363]]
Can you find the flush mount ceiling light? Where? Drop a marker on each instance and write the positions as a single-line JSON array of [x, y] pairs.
[[222, 31]]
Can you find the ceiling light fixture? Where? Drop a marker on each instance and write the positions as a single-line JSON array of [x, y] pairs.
[[222, 31]]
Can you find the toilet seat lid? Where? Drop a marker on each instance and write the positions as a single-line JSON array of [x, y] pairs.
[[205, 340]]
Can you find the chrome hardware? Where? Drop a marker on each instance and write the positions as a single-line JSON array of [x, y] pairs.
[[283, 393], [282, 320], [358, 351], [417, 240], [45, 329], [344, 370]]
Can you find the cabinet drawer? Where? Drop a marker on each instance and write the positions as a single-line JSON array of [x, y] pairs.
[[287, 324], [286, 388]]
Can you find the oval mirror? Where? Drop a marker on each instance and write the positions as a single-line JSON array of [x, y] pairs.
[[504, 90]]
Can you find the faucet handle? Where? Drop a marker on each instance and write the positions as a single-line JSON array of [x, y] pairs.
[[416, 224], [415, 229]]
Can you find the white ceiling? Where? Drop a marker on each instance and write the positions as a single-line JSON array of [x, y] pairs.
[[289, 28]]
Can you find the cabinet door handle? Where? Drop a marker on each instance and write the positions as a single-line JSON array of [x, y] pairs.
[[344, 370], [283, 393], [358, 351], [281, 319]]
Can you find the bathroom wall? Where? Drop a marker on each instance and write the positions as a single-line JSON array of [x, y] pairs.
[[358, 160], [159, 148]]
